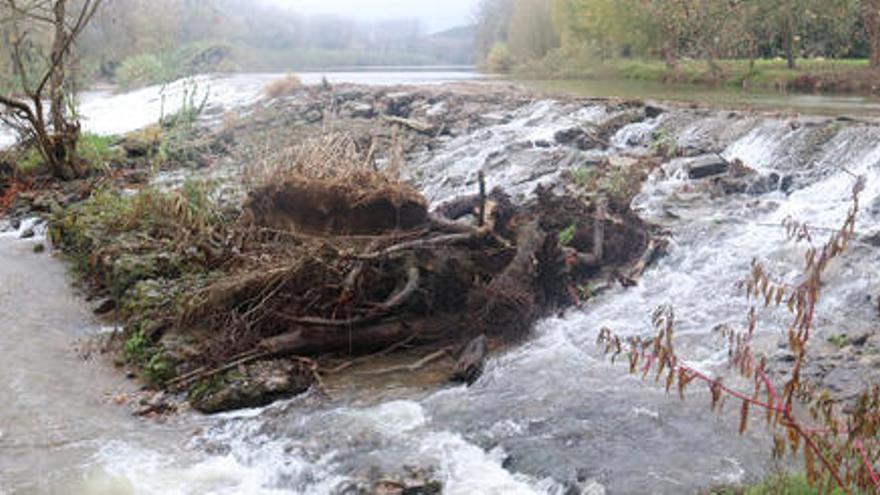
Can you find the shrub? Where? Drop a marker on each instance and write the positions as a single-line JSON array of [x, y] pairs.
[[142, 70], [500, 58], [97, 150], [285, 86], [29, 160]]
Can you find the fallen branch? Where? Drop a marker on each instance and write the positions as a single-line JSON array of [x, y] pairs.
[[416, 125], [423, 244], [655, 247]]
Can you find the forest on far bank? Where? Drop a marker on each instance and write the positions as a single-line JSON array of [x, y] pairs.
[[789, 44], [136, 42]]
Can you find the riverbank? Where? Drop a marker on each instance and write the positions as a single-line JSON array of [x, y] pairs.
[[812, 76]]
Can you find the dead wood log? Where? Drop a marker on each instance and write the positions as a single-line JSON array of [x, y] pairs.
[[459, 207], [599, 230], [424, 243], [482, 215], [523, 268], [470, 363], [416, 125], [656, 246]]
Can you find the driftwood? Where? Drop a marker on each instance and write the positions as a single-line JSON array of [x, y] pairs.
[[656, 247], [599, 230], [423, 244], [470, 363], [416, 125]]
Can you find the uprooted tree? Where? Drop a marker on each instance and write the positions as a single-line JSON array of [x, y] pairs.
[[329, 264], [40, 35]]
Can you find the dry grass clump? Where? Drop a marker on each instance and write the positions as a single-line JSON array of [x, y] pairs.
[[336, 160], [285, 86]]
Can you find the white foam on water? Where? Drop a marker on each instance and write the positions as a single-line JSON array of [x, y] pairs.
[[123, 468], [467, 469], [33, 223]]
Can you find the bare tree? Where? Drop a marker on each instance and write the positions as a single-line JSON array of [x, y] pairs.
[[41, 76]]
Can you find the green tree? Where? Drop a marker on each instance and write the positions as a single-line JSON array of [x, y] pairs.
[[493, 21], [531, 34]]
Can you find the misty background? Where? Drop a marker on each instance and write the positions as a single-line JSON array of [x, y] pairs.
[[136, 42]]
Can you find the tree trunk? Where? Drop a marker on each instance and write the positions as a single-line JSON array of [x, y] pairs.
[[872, 29], [56, 90], [669, 57], [788, 43], [64, 134]]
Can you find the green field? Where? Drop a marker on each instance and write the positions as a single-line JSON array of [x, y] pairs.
[[810, 75]]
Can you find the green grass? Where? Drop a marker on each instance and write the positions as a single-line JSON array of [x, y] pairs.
[[155, 68], [825, 74], [778, 484], [566, 236], [839, 341], [97, 151]]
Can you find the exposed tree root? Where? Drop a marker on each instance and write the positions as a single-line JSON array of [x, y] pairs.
[[312, 294]]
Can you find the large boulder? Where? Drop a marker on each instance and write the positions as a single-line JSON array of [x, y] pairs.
[[705, 166], [254, 385]]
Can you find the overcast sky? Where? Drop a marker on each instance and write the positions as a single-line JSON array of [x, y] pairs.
[[436, 15]]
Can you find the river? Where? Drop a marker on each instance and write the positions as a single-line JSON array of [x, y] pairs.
[[546, 416]]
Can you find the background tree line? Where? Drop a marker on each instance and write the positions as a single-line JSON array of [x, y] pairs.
[[520, 31], [136, 42]]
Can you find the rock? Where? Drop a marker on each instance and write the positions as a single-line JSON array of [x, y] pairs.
[[44, 203], [39, 248], [361, 111], [784, 356], [28, 233], [15, 223], [579, 138], [653, 112], [158, 404], [254, 385], [705, 166], [764, 184], [588, 487], [398, 104], [787, 184], [859, 340], [845, 382], [103, 306]]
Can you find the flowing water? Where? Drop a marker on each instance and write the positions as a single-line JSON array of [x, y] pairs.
[[546, 416]]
